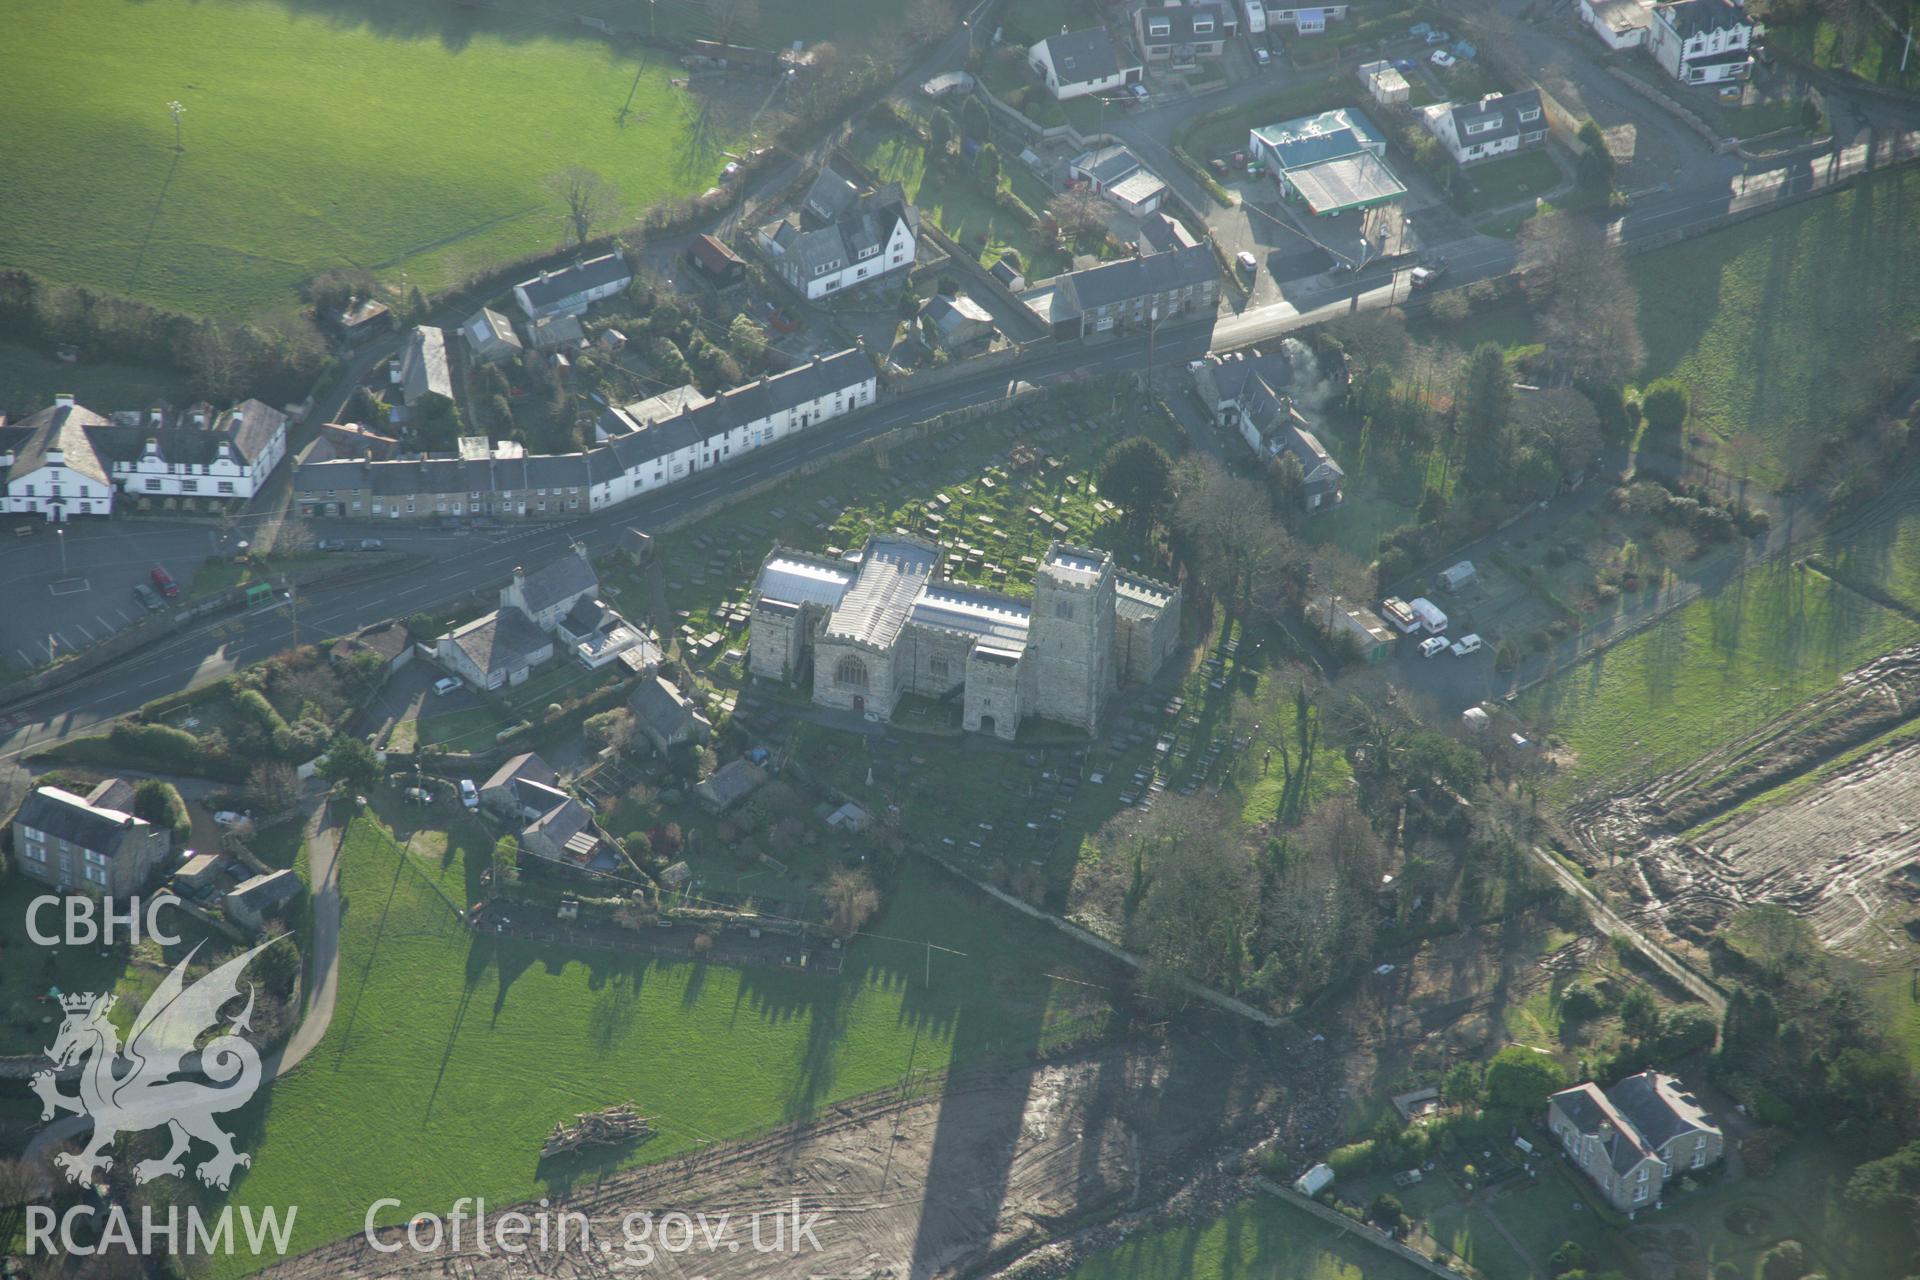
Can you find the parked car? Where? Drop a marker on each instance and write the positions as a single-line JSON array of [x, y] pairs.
[[228, 818], [1218, 165], [1432, 646], [469, 794], [332, 544], [446, 685], [163, 582], [1262, 57], [1247, 262], [1438, 37], [1405, 64], [1139, 92], [372, 544], [1419, 29], [1443, 59], [416, 795], [149, 598], [1425, 277], [1467, 644]]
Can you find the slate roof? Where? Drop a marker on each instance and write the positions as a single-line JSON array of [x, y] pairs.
[[1132, 278], [247, 429], [1180, 22], [1107, 165], [69, 817], [60, 428], [664, 708], [1081, 56], [817, 379], [954, 315], [893, 571], [500, 641], [1702, 17], [525, 765], [489, 333], [730, 784], [569, 575], [831, 195], [262, 894], [1588, 1108], [550, 288], [1231, 373], [557, 331], [1501, 109], [423, 367], [839, 243], [1660, 1107], [1161, 234]]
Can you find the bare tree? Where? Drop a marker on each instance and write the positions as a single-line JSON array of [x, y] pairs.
[[274, 785], [1199, 910], [1589, 307], [1077, 213], [590, 200], [851, 899], [1232, 530]]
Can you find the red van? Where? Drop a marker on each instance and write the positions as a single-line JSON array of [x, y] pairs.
[[164, 583]]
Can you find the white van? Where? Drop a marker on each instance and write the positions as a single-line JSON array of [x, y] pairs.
[[1466, 644]]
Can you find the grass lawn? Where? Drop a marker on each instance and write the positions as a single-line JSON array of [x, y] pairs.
[[1259, 1239], [958, 206], [1224, 132], [1789, 324], [450, 1057], [29, 380], [1511, 178], [1720, 667], [298, 157], [473, 729]]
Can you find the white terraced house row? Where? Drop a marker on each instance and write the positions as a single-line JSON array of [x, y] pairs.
[[640, 454]]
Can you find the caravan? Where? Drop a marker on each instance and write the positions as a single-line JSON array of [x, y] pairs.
[[1431, 618]]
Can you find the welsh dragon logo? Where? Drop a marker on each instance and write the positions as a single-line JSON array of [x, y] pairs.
[[132, 1089]]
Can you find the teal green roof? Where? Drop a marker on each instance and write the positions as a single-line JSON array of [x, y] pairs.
[[1326, 136]]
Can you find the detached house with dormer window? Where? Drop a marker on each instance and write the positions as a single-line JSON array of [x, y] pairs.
[[1497, 125], [1702, 41], [1632, 1138], [869, 237], [1184, 33]]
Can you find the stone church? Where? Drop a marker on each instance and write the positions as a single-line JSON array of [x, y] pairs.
[[881, 624]]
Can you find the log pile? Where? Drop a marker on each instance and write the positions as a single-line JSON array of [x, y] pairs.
[[607, 1128]]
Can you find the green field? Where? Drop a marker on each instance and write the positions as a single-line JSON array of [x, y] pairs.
[[313, 141], [1789, 328], [1258, 1239], [1710, 672], [451, 1056]]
